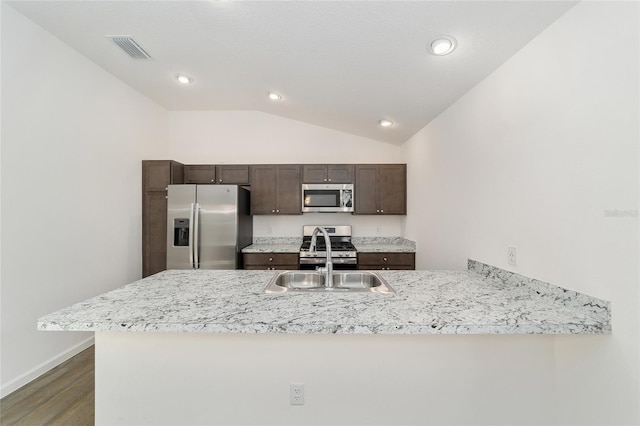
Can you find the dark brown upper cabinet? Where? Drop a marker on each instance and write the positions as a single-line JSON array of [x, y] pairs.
[[276, 189], [381, 189], [232, 174], [327, 173], [157, 175], [212, 174], [200, 174]]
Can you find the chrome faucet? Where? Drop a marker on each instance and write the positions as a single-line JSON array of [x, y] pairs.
[[327, 270]]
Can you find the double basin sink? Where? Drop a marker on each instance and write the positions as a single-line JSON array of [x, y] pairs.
[[314, 282]]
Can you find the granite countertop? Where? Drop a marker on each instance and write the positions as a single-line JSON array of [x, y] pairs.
[[384, 245], [362, 244], [272, 248], [481, 300], [274, 245]]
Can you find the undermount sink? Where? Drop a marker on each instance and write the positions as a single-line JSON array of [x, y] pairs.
[[343, 282]]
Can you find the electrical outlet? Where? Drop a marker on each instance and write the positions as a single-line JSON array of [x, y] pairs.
[[296, 394], [511, 256]]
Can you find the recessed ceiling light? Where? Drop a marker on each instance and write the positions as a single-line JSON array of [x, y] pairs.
[[386, 123], [184, 79], [442, 45], [274, 96]]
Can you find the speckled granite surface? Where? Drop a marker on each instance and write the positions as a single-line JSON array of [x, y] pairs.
[[363, 244], [274, 245], [425, 302], [384, 244], [272, 248]]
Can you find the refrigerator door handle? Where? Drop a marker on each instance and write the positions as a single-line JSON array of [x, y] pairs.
[[196, 238], [191, 232]]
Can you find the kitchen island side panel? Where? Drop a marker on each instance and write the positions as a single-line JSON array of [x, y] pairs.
[[231, 379]]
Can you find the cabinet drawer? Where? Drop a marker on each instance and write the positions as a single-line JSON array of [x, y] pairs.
[[385, 268], [272, 268], [268, 259], [381, 259]]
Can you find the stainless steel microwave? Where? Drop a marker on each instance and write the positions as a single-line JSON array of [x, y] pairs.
[[327, 198]]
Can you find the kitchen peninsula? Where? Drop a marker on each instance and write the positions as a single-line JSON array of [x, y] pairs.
[[202, 343]]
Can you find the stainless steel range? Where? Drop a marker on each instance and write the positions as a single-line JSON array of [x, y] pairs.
[[343, 252]]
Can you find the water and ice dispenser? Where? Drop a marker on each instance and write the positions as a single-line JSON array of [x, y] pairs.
[[180, 232]]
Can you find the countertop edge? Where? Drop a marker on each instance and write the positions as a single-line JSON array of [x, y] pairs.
[[506, 329]]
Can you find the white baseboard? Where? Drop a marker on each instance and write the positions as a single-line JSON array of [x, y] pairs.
[[39, 370]]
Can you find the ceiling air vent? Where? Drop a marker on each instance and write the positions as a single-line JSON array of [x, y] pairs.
[[129, 45]]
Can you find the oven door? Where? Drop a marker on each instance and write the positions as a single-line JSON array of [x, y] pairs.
[[339, 263]]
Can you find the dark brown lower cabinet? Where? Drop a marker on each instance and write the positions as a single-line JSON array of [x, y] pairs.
[[386, 261], [271, 261]]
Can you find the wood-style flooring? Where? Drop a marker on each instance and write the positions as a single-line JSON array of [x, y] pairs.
[[62, 396]]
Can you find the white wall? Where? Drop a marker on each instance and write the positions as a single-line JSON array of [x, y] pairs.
[[243, 379], [536, 156], [251, 137], [72, 140]]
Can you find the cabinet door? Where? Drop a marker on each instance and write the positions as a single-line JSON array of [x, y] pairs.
[[366, 189], [232, 175], [386, 260], [156, 175], [263, 189], [392, 187], [200, 174], [314, 173], [340, 173], [264, 260], [289, 189], [177, 172], [154, 233]]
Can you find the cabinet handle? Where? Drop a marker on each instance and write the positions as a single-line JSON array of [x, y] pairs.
[[377, 211], [329, 180], [220, 181], [213, 180], [381, 211], [325, 180], [277, 211], [166, 197], [271, 259], [273, 211], [166, 188], [384, 259]]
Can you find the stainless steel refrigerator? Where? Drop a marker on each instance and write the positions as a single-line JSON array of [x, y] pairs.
[[207, 226]]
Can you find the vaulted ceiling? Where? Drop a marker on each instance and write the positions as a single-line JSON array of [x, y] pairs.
[[344, 65]]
